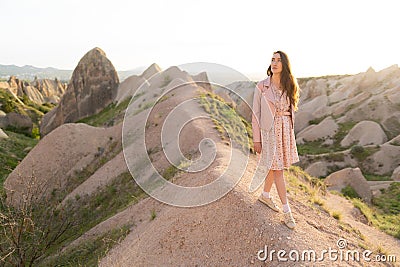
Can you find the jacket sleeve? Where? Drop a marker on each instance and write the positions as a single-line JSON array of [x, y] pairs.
[[255, 118]]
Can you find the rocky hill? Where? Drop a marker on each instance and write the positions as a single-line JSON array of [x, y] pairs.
[[92, 87], [80, 176], [351, 121]]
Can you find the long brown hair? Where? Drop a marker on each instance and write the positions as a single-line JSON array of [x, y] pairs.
[[288, 81]]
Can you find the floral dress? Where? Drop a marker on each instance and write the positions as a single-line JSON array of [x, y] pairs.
[[279, 149]]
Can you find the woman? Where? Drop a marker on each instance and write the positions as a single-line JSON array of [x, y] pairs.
[[274, 103]]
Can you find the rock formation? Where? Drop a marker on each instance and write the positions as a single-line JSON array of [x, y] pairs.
[[18, 121], [317, 169], [129, 86], [350, 177], [92, 87], [365, 133], [325, 129], [363, 108], [39, 91], [3, 135], [396, 174]]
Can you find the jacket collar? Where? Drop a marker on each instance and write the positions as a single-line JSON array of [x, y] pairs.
[[267, 91]]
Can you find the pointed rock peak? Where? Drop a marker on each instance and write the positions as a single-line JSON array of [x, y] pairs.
[[95, 55], [202, 76], [370, 70], [96, 51], [92, 87], [150, 71]]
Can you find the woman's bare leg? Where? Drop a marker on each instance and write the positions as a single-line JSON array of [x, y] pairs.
[[280, 186], [269, 181]]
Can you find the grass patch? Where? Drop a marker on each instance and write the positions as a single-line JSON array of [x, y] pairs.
[[361, 153], [107, 116], [317, 121], [344, 129], [9, 103], [337, 215], [389, 200], [308, 187], [314, 182], [89, 210], [26, 107], [102, 156], [389, 223], [317, 147], [90, 252], [349, 191], [12, 151], [170, 172], [313, 148], [29, 108], [229, 124], [317, 200], [153, 215], [376, 177], [334, 156], [351, 230]]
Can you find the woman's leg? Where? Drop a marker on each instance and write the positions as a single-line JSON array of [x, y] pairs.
[[265, 196], [280, 186], [269, 181]]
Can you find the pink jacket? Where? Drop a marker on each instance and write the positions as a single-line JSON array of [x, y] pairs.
[[264, 109]]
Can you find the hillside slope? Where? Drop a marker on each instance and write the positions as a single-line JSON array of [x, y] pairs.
[[232, 230]]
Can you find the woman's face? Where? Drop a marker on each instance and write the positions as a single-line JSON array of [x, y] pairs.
[[276, 63]]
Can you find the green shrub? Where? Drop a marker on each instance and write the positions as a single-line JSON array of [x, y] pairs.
[[349, 192], [361, 153], [389, 200]]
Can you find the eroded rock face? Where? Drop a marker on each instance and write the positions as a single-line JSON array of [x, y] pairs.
[[40, 90], [350, 177], [325, 129], [384, 161], [317, 169], [51, 91], [396, 174], [16, 120], [365, 133], [92, 87]]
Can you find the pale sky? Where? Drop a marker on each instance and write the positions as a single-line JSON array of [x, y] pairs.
[[320, 37]]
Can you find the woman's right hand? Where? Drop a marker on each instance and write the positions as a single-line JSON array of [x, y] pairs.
[[257, 147]]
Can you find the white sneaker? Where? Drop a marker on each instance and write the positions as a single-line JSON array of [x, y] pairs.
[[269, 202], [289, 220]]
